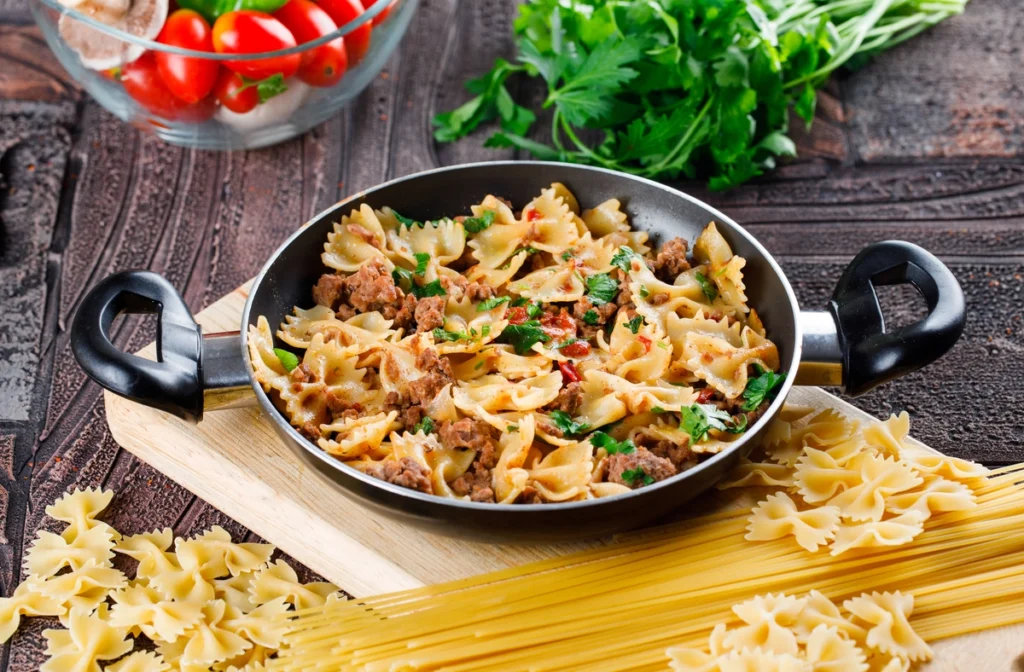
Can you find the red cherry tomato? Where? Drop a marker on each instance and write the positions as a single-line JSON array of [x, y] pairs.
[[379, 19], [190, 79], [357, 42], [558, 325], [235, 94], [576, 349], [142, 81], [247, 31], [324, 65]]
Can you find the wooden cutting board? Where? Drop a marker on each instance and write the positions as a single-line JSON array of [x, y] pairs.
[[235, 461]]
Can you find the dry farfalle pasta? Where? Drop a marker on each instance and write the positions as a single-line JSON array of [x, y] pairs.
[[211, 604], [850, 485], [810, 634]]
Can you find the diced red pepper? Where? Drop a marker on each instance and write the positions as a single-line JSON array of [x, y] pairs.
[[646, 341], [704, 396], [517, 315], [569, 373], [532, 215], [576, 349], [558, 325]]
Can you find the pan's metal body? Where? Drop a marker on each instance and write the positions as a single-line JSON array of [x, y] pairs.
[[286, 280]]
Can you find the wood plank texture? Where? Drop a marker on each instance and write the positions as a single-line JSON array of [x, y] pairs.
[[925, 144]]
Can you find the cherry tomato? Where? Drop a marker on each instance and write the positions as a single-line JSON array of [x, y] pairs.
[[357, 42], [558, 325], [234, 94], [576, 349], [142, 81], [247, 31], [190, 79], [324, 65], [379, 19], [517, 315]]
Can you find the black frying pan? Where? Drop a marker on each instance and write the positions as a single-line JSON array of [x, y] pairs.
[[845, 345]]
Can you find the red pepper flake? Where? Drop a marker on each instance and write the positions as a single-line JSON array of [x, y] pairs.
[[569, 373], [532, 215], [576, 349], [646, 341], [517, 315], [705, 395]]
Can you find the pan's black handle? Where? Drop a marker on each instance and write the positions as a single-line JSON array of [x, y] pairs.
[[173, 383], [870, 354]]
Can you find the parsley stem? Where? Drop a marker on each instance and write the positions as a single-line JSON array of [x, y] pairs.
[[584, 149], [654, 170]]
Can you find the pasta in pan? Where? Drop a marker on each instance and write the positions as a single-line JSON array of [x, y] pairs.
[[541, 355]]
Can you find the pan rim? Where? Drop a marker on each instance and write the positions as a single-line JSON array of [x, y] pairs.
[[431, 500]]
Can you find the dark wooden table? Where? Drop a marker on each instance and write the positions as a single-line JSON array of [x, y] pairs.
[[925, 144]]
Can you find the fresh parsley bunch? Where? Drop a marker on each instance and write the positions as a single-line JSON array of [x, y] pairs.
[[700, 88]]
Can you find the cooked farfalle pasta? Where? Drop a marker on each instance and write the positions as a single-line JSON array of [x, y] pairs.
[[850, 485], [810, 634], [461, 328], [210, 604]]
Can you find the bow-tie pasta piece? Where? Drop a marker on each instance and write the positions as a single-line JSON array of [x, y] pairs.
[[510, 478], [501, 360], [639, 354], [767, 619], [971, 474], [828, 651], [880, 477], [564, 473], [356, 239], [758, 474], [88, 641], [757, 660], [887, 619], [819, 611], [234, 590], [493, 244], [84, 588], [140, 661], [159, 619], [210, 641], [79, 510], [552, 224], [605, 218], [937, 495], [355, 335], [150, 550], [888, 436], [466, 328], [265, 625], [550, 284], [26, 601], [724, 268], [779, 433], [442, 465], [819, 477], [725, 366], [354, 437], [443, 241], [893, 532], [778, 516], [50, 552], [280, 580], [496, 393]]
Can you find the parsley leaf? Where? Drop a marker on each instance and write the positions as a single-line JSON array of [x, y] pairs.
[[564, 422], [491, 303], [485, 330], [288, 359], [426, 425], [602, 288], [637, 474], [697, 419], [567, 255], [634, 324], [518, 301], [478, 224], [738, 425], [434, 288], [591, 317], [623, 257], [610, 445], [523, 336], [534, 309], [405, 221], [644, 292], [445, 336], [706, 286], [422, 259], [765, 386]]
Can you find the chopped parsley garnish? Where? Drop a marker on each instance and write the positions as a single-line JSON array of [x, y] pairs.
[[567, 255], [478, 224], [406, 221], [426, 425], [644, 292], [662, 344], [565, 424], [430, 289], [706, 286], [568, 342], [623, 258], [591, 317], [610, 445], [602, 288], [491, 303], [634, 324], [484, 330], [480, 364], [518, 301], [288, 359], [765, 386], [512, 428], [637, 474], [529, 250], [422, 259], [445, 336], [738, 426], [523, 336], [658, 410], [534, 309], [699, 418]]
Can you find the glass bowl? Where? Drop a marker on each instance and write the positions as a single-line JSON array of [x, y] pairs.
[[122, 65]]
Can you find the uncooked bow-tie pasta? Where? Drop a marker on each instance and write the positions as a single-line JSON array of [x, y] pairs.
[[541, 355]]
